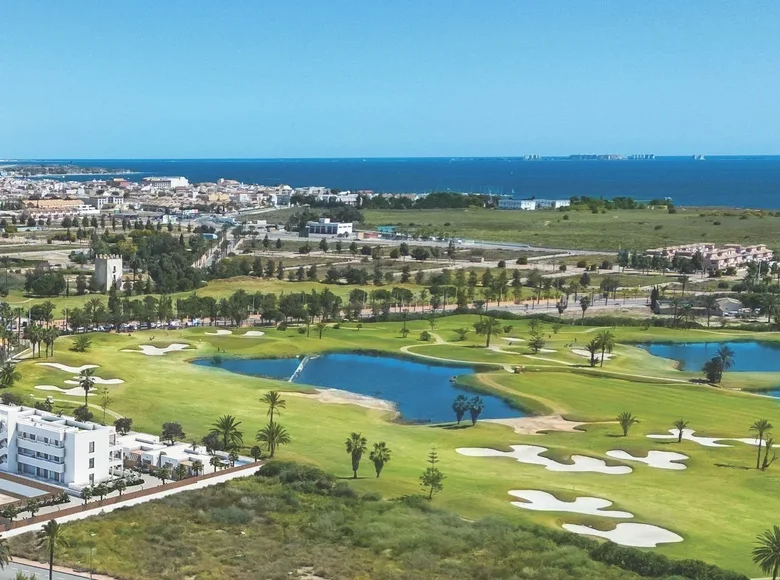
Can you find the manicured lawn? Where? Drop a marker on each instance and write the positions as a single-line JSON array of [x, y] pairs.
[[718, 504]]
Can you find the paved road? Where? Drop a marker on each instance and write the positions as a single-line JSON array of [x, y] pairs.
[[9, 573]]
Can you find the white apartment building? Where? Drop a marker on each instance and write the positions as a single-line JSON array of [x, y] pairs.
[[166, 182], [533, 204], [56, 449], [325, 227]]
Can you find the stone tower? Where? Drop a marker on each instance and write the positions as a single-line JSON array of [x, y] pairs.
[[108, 271]]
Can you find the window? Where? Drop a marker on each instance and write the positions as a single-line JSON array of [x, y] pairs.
[[91, 446], [92, 463], [91, 479]]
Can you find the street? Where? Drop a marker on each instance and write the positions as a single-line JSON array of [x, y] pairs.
[[10, 571]]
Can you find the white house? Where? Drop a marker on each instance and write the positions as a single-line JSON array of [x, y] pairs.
[[524, 204], [727, 306], [325, 227], [144, 451], [56, 449]]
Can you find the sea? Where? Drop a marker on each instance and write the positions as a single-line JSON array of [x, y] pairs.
[[723, 181]]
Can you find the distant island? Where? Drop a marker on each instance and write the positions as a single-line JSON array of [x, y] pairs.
[[58, 169]]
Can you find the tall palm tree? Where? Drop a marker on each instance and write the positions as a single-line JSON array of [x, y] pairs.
[[9, 375], [488, 327], [710, 303], [761, 428], [226, 429], [275, 402], [766, 554], [273, 435], [356, 445], [726, 356], [593, 347], [379, 456], [50, 538], [87, 382], [5, 553], [584, 304], [606, 339], [680, 424], [197, 467]]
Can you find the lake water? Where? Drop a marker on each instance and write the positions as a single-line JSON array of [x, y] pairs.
[[421, 392], [748, 356]]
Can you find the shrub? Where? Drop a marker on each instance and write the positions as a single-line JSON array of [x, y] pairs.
[[502, 263], [658, 227], [301, 330], [582, 264], [522, 261], [716, 223], [425, 336], [723, 284], [230, 515], [566, 217]]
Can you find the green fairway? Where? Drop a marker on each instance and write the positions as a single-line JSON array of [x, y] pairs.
[[636, 229], [718, 504]]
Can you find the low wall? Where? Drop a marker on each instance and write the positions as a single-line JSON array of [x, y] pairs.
[[43, 518]]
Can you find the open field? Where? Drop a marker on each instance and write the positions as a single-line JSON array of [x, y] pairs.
[[587, 231], [718, 504]]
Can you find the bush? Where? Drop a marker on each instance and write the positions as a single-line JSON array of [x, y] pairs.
[[582, 264], [230, 515], [301, 330], [562, 267], [425, 336], [522, 261], [723, 285], [501, 264], [565, 217]]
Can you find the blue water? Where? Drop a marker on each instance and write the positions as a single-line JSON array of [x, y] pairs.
[[716, 181], [748, 356], [421, 392]]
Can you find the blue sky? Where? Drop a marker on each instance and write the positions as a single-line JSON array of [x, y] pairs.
[[190, 78]]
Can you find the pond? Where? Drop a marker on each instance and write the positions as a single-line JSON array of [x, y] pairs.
[[748, 355], [421, 392]]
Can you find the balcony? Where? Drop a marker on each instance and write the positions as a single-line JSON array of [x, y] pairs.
[[42, 463], [41, 447]]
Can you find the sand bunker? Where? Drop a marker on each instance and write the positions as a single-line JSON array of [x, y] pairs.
[[338, 396], [546, 502], [636, 535], [255, 333], [510, 339], [584, 353], [74, 392], [688, 435], [150, 350], [97, 381], [66, 368], [536, 424], [531, 454], [657, 459], [547, 350], [220, 332]]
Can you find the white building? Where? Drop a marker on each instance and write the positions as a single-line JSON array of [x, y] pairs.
[[108, 271], [145, 452], [533, 204], [552, 203], [57, 449], [166, 182], [325, 227]]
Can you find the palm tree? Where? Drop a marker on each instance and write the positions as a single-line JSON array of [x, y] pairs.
[[626, 420], [766, 554], [680, 424], [606, 340], [726, 356], [320, 326], [379, 456], [197, 467], [9, 375], [684, 282], [584, 304], [215, 462], [593, 347], [50, 538], [356, 446], [226, 429], [761, 428], [273, 435], [274, 401], [461, 332], [488, 327], [87, 382], [180, 472], [5, 553], [710, 303]]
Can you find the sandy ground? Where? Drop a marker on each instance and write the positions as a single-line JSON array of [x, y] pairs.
[[545, 502], [636, 535], [254, 333], [337, 396], [97, 381], [510, 339], [538, 424], [66, 368], [220, 332], [151, 350], [688, 435], [584, 353], [531, 454], [657, 459], [74, 392]]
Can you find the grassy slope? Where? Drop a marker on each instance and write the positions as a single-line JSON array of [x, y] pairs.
[[585, 230], [718, 509]]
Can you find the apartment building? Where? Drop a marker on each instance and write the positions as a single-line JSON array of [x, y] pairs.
[[532, 204], [325, 227], [56, 449], [715, 258]]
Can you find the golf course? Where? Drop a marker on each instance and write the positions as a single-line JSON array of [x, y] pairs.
[[562, 460]]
